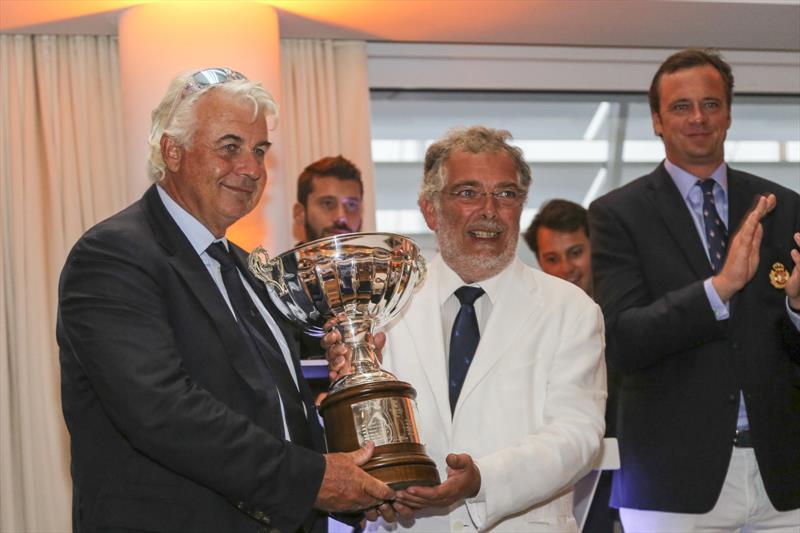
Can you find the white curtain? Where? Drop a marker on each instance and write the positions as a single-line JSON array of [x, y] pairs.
[[325, 110], [61, 170]]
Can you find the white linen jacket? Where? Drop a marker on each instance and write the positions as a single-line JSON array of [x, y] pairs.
[[531, 408]]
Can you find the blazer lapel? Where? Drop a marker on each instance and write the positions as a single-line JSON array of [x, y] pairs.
[[741, 197], [667, 201], [190, 267], [423, 323], [516, 305]]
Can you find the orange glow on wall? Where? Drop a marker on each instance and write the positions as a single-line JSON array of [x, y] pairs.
[[159, 40], [22, 13]]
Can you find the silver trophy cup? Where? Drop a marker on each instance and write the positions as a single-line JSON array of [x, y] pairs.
[[364, 280]]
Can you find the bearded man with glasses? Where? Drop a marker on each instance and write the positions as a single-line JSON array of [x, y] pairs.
[[506, 360], [181, 386]]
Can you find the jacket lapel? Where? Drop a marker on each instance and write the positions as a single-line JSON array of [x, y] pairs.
[[423, 323], [667, 201], [190, 267], [741, 197], [516, 305]]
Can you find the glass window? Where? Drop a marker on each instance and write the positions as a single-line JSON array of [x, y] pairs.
[[579, 146]]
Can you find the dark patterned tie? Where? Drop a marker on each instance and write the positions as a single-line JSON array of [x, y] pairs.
[[716, 233], [463, 340], [258, 336]]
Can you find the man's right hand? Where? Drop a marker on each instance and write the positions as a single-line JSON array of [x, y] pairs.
[[348, 488], [743, 251]]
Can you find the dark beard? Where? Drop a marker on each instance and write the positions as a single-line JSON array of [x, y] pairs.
[[312, 236]]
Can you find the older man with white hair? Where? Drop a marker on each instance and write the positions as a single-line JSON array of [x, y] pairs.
[[181, 386]]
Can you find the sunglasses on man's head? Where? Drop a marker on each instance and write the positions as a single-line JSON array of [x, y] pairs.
[[200, 80]]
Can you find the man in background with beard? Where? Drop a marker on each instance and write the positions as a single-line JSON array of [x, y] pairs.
[[329, 198], [507, 361], [329, 202]]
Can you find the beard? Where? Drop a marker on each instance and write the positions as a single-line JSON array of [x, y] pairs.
[[335, 229], [475, 267]]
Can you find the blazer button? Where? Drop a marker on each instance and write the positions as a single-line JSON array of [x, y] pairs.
[[732, 398], [735, 345]]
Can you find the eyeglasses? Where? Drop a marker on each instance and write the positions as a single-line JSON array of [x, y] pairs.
[[505, 197], [202, 79]]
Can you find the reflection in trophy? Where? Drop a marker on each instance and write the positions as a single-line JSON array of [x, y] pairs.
[[363, 279]]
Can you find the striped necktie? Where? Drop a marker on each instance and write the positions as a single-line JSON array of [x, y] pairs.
[[716, 233]]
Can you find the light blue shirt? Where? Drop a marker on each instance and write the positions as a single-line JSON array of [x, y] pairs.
[[201, 238]]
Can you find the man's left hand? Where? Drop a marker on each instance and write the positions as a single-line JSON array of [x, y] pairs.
[[793, 285], [463, 481]]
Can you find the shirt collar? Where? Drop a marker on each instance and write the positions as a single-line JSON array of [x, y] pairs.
[[685, 180], [449, 281], [199, 236]]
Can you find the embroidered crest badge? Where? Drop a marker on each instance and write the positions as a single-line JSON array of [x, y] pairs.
[[778, 276]]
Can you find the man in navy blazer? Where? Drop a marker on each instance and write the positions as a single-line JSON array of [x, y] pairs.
[[180, 418], [696, 269]]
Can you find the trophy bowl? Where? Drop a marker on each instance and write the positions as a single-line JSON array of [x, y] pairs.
[[364, 280]]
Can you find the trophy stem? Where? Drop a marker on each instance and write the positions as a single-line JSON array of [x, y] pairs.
[[357, 335]]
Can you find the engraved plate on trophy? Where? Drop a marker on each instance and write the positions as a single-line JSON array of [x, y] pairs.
[[365, 280], [385, 421]]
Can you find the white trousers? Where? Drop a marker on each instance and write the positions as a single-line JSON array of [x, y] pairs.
[[742, 507]]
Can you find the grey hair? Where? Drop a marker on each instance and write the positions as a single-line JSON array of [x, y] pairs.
[[182, 124], [475, 140]]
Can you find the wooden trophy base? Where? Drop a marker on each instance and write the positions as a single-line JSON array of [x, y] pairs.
[[385, 413]]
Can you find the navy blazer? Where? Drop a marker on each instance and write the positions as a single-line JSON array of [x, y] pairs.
[[681, 369], [172, 428]]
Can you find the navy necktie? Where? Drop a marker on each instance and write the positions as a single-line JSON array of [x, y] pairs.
[[262, 343], [716, 233], [463, 340]]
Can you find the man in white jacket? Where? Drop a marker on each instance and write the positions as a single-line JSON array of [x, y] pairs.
[[507, 361]]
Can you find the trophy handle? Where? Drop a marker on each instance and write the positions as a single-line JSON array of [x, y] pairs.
[[422, 266], [262, 267]]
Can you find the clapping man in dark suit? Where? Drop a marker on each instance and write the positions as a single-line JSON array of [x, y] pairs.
[[696, 269], [181, 386]]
